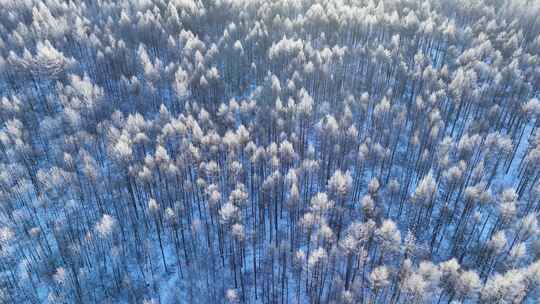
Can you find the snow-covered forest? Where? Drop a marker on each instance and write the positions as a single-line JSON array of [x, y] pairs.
[[269, 151]]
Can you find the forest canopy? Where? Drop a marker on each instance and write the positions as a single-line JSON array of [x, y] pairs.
[[269, 151]]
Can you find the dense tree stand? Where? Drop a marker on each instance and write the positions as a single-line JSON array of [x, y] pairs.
[[269, 151]]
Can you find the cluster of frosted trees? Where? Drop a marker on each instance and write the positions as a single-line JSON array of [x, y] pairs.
[[207, 151]]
